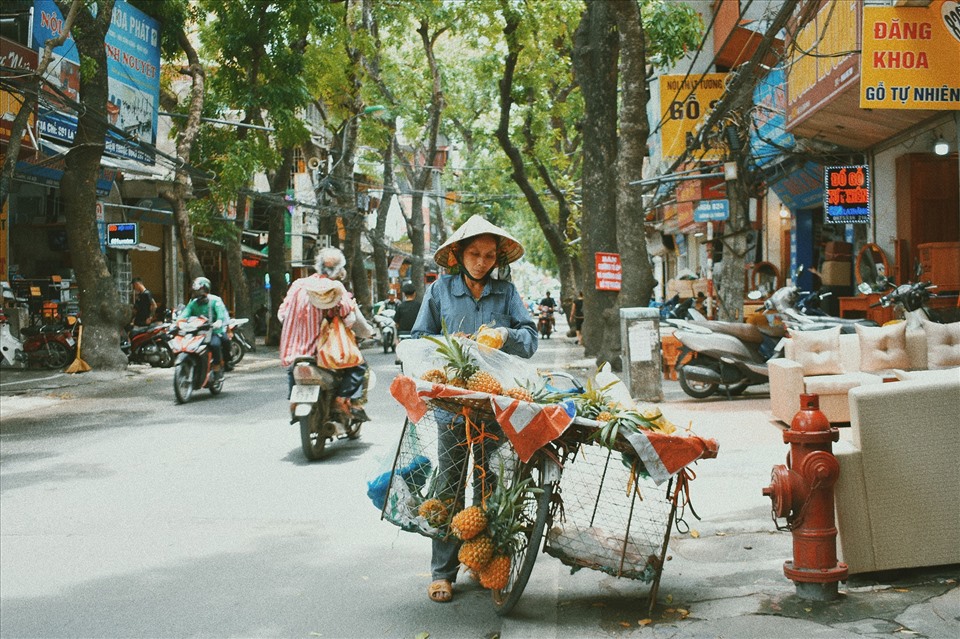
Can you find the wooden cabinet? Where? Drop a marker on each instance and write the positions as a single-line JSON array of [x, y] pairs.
[[860, 307], [940, 264]]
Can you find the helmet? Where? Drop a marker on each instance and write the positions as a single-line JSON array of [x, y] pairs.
[[408, 288], [201, 282]]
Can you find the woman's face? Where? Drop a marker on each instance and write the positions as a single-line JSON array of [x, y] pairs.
[[480, 256]]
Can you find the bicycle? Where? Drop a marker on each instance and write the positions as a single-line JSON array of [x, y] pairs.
[[578, 510]]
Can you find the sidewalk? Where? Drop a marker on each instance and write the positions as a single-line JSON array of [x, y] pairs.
[[723, 577]]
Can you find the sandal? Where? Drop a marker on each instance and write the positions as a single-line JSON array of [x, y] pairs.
[[440, 591]]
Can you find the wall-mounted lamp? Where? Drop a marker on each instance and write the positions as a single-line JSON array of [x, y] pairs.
[[784, 212], [941, 146], [698, 234]]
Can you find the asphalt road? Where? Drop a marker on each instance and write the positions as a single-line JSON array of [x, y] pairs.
[[125, 515]]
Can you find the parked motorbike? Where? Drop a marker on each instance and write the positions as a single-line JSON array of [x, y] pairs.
[[236, 344], [545, 321], [728, 354], [11, 348], [912, 302], [388, 329], [800, 311], [313, 407], [51, 346], [675, 308], [190, 343], [149, 345]]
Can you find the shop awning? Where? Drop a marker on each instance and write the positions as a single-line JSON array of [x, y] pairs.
[[141, 246]]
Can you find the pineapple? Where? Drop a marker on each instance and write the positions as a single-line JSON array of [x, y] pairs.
[[434, 511], [460, 364], [496, 574], [468, 523], [435, 376], [484, 382], [604, 416], [476, 553], [519, 392]]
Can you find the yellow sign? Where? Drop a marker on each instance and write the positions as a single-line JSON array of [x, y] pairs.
[[909, 57], [685, 105]]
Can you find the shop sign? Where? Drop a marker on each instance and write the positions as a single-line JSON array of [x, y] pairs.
[[13, 58], [609, 271], [712, 211], [801, 189], [685, 104], [910, 55], [685, 217], [816, 80], [123, 234], [132, 45], [847, 194]]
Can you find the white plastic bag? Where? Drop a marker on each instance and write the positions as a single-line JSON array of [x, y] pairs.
[[420, 355]]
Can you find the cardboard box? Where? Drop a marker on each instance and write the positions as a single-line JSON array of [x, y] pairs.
[[836, 273], [837, 251]]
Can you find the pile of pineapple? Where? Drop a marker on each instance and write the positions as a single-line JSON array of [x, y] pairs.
[[491, 533], [461, 369]]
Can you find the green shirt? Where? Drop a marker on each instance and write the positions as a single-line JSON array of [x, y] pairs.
[[213, 309]]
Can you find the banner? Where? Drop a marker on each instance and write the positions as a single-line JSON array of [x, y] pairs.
[[609, 271], [846, 197], [685, 105]]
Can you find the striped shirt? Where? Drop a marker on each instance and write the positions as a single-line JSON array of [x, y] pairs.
[[301, 320]]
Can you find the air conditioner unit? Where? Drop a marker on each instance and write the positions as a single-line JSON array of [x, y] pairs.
[[313, 163]]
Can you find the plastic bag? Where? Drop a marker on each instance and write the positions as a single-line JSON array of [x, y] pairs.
[[336, 346], [420, 355]]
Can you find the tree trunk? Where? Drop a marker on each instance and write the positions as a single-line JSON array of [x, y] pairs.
[[595, 66], [234, 251], [380, 253], [731, 294], [100, 307], [276, 245]]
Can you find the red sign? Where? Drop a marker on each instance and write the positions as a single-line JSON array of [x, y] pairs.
[[609, 271]]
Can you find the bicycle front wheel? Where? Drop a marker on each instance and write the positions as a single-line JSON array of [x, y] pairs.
[[533, 517]]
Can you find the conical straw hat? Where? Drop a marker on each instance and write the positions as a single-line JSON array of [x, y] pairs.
[[509, 250]]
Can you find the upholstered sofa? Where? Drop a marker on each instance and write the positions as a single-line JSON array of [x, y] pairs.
[[896, 497], [830, 364]]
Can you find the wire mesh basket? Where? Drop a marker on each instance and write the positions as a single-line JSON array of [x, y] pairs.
[[444, 462], [608, 515]]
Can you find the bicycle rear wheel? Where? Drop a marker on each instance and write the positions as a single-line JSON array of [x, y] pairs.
[[534, 520]]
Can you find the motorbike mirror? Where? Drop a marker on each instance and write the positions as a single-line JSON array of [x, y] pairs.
[[865, 288], [754, 295]]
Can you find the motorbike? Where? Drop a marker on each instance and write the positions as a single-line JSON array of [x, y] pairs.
[[236, 344], [313, 407], [149, 345], [51, 346], [545, 321], [912, 300], [800, 311], [388, 329], [190, 343], [728, 354]]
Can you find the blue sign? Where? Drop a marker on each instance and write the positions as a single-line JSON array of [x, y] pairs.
[[133, 78], [800, 189], [711, 211]]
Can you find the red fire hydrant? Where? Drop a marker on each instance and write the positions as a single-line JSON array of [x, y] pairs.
[[802, 491]]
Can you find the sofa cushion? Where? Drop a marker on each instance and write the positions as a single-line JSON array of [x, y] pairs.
[[883, 347], [818, 352], [943, 344], [940, 375], [837, 384]]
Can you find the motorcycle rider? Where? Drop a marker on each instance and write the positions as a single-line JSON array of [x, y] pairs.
[[301, 323], [205, 304], [408, 309], [547, 306]]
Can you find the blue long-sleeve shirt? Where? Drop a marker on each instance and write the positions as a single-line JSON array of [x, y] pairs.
[[448, 300]]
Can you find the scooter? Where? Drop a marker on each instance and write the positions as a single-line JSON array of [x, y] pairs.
[[728, 354], [149, 345], [190, 343], [800, 311], [11, 348], [545, 323], [313, 407], [236, 344], [52, 346], [912, 301], [388, 329]]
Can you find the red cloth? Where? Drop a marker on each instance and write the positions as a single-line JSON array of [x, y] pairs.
[[529, 426]]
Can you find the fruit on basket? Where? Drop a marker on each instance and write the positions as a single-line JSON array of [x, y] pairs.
[[488, 336], [461, 367], [434, 511], [519, 392], [496, 574], [468, 523], [476, 553]]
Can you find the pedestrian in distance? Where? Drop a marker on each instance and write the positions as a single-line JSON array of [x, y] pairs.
[[144, 306], [463, 301], [578, 317], [408, 309]]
